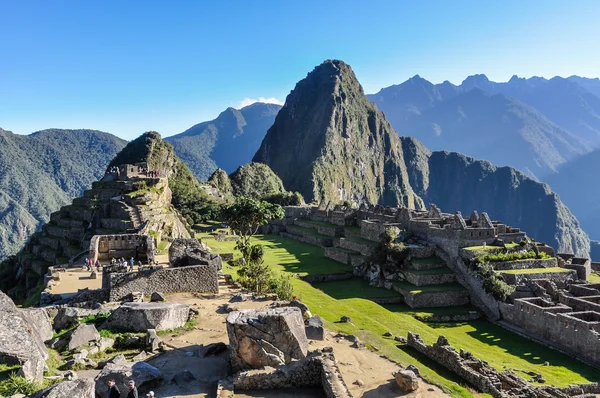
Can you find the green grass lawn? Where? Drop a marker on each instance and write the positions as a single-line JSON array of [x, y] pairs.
[[446, 287], [285, 254], [352, 288], [490, 247], [370, 320], [594, 277], [535, 270]]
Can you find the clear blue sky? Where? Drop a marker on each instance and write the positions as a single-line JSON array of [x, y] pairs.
[[130, 66]]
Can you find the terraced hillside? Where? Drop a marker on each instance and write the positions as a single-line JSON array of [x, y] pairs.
[[354, 297]]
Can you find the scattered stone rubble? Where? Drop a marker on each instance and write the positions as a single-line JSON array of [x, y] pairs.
[[486, 379]]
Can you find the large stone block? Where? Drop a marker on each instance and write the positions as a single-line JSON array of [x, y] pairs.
[[145, 376], [184, 252], [267, 337], [22, 339], [139, 317], [84, 388], [83, 335], [68, 317]]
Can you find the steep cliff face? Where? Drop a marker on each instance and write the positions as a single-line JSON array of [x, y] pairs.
[[456, 182], [330, 143]]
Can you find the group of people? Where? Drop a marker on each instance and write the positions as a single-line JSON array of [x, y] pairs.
[[152, 173], [126, 264], [114, 392], [89, 265]]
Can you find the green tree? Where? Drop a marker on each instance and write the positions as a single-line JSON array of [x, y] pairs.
[[246, 215]]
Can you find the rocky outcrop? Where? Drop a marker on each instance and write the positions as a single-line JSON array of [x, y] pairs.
[[145, 376], [267, 337], [331, 144], [80, 388], [184, 252], [22, 339], [139, 317], [83, 335], [67, 317]]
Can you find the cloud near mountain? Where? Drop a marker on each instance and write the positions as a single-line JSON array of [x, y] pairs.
[[249, 101]]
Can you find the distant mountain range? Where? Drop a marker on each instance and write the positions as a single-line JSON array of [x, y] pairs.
[[331, 144], [541, 127], [42, 172], [226, 142]]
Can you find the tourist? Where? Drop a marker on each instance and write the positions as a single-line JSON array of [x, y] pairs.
[[87, 264], [113, 390], [113, 261], [124, 265], [150, 394], [98, 265], [133, 392], [131, 263]]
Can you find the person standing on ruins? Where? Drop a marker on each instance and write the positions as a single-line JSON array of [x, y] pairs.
[[113, 390], [133, 392]]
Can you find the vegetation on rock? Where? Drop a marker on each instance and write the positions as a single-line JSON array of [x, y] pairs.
[[226, 142]]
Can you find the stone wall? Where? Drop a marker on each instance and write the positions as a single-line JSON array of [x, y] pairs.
[[577, 332], [196, 278], [559, 278], [318, 369], [372, 229], [486, 379], [106, 247], [522, 264]]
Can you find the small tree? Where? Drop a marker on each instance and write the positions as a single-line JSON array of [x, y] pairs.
[[247, 215]]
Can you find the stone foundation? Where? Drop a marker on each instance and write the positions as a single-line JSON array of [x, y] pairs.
[[195, 278], [319, 368]]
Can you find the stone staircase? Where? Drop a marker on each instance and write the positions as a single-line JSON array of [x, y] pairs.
[[428, 282]]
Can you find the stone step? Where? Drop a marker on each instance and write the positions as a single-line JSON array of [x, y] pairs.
[[70, 222], [358, 245], [340, 255], [101, 193], [322, 228], [423, 264], [312, 240], [432, 296], [116, 224], [352, 232], [525, 264], [49, 241], [516, 276], [84, 202], [435, 276]]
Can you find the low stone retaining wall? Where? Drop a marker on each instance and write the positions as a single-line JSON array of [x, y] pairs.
[[337, 254], [195, 278], [449, 298], [387, 300], [469, 316], [357, 259], [523, 264], [429, 279], [319, 368], [557, 277], [363, 248], [311, 240], [327, 277], [420, 251]]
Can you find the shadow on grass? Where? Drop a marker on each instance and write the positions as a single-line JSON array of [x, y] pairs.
[[521, 347], [353, 288], [303, 258]]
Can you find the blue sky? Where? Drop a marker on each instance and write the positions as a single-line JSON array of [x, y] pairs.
[[130, 66]]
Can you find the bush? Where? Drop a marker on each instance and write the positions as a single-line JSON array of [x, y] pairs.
[[284, 198], [282, 286], [494, 284], [17, 385]]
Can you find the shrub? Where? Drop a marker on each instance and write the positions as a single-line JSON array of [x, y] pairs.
[[282, 286], [284, 198], [17, 385]]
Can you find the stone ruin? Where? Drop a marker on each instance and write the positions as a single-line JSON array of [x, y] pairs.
[[487, 379], [269, 350], [185, 252], [106, 247]]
